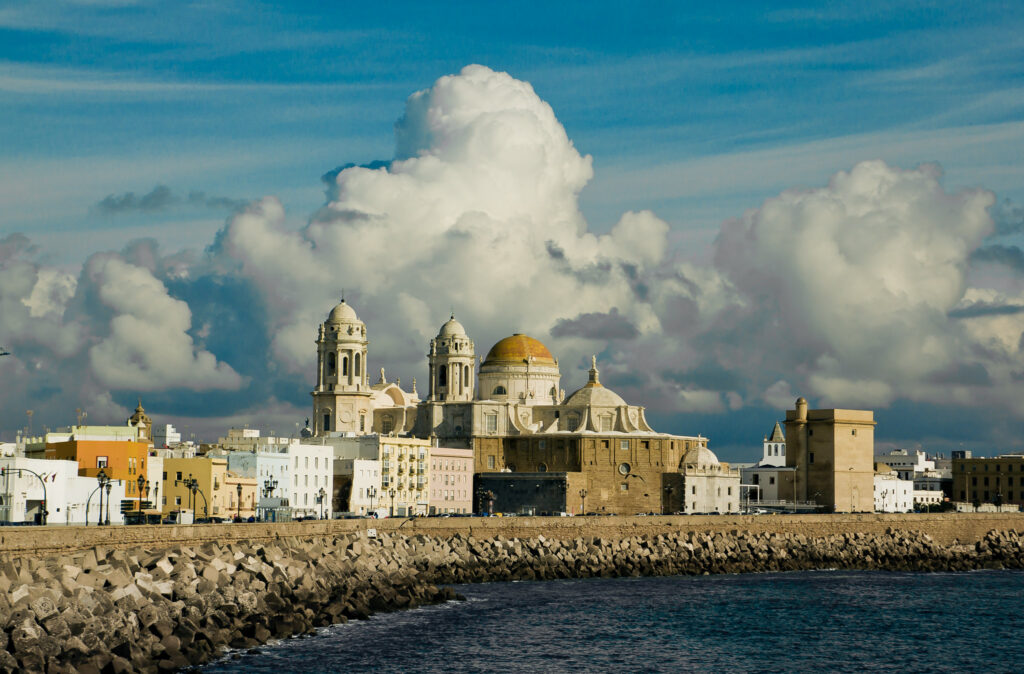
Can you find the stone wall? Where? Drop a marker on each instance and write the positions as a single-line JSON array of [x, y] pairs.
[[942, 527], [166, 607]]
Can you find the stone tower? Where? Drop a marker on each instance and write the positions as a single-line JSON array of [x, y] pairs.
[[452, 364], [341, 399]]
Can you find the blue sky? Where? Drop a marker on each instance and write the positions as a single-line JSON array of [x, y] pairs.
[[695, 113]]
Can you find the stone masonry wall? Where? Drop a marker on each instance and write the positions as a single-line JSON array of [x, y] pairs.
[[942, 527], [164, 607]]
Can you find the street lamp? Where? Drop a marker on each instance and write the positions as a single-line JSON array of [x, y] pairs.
[[101, 478], [107, 518], [371, 492], [583, 501], [142, 483], [320, 496], [392, 502], [238, 512]]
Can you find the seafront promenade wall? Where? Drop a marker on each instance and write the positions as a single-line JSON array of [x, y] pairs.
[[153, 599], [944, 528]]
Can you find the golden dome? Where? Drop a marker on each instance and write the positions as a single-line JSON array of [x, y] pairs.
[[517, 348]]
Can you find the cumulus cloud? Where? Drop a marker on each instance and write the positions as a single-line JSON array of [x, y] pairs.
[[484, 183]]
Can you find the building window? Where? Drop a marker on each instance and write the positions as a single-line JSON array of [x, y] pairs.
[[624, 468], [810, 458], [491, 423], [178, 476], [332, 363], [853, 431], [757, 478], [344, 366], [327, 422], [771, 480], [355, 366], [387, 424], [810, 431], [693, 490], [490, 462], [624, 444], [499, 391], [177, 500], [542, 467], [101, 462], [624, 486]]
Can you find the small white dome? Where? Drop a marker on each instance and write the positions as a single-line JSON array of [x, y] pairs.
[[451, 329], [342, 313], [702, 457]]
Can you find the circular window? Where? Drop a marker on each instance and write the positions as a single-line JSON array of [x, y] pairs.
[[542, 467], [624, 468]]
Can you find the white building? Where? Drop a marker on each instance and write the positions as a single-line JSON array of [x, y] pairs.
[[26, 483], [892, 494], [312, 470], [709, 486], [769, 480], [165, 436], [361, 478], [906, 462]]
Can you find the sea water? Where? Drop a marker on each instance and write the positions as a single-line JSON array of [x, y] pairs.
[[773, 622]]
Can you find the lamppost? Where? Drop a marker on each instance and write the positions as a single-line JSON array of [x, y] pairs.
[[371, 492], [238, 512], [320, 496], [141, 482], [106, 520], [392, 502], [583, 501], [269, 485]]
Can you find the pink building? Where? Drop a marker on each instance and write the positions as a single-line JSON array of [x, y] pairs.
[[451, 480]]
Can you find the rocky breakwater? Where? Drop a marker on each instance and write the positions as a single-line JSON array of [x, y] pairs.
[[164, 609]]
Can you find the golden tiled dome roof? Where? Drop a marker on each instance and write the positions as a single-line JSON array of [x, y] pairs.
[[517, 348]]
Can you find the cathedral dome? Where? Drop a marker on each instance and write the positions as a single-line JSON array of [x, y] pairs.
[[595, 395], [342, 313], [451, 329], [517, 348]]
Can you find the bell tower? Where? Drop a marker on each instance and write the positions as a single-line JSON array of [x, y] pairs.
[[452, 364], [341, 399]]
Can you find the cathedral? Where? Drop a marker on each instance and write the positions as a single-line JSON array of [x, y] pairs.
[[515, 416]]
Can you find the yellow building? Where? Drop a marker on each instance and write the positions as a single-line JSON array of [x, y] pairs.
[[833, 452], [210, 497]]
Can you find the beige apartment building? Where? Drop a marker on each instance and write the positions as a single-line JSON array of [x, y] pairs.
[[451, 480]]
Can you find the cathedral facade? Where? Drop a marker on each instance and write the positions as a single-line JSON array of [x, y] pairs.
[[514, 414]]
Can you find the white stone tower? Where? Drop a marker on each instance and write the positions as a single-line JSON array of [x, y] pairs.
[[452, 364], [341, 399]]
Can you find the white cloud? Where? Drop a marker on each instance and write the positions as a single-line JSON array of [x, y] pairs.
[[148, 347]]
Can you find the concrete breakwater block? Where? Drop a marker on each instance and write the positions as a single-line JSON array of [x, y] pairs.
[[154, 609]]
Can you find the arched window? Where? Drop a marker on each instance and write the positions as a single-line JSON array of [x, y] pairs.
[[356, 370], [442, 376], [344, 366], [387, 424], [332, 363], [499, 390], [465, 375], [554, 394]]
